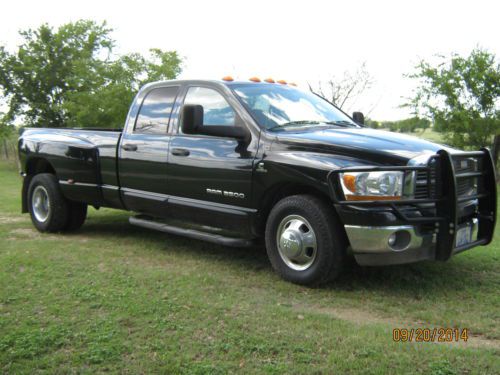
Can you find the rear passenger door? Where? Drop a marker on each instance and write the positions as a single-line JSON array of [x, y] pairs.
[[143, 153]]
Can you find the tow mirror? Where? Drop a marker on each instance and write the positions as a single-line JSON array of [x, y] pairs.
[[358, 117], [191, 118], [192, 123]]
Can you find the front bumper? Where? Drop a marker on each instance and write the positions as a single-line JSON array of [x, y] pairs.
[[429, 226], [387, 245]]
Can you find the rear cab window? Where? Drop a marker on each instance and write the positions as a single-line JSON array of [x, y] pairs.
[[155, 111]]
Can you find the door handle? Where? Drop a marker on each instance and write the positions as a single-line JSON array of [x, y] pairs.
[[129, 147], [180, 152]]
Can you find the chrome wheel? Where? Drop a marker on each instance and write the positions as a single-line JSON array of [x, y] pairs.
[[296, 242], [40, 204]]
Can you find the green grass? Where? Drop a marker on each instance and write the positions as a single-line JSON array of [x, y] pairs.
[[116, 298], [429, 135]]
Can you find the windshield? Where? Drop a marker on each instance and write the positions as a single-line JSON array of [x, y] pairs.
[[277, 106]]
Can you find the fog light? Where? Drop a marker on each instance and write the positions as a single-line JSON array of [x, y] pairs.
[[392, 239], [399, 240]]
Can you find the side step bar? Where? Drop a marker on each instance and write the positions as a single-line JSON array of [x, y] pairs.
[[148, 223]]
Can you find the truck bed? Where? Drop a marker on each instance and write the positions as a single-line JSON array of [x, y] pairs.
[[85, 161]]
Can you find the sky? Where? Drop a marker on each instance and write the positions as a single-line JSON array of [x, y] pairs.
[[300, 41]]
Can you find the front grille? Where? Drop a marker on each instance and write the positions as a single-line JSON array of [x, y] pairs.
[[468, 185], [426, 182], [422, 185]]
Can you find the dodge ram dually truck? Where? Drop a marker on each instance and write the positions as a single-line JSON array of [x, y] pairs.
[[233, 162]]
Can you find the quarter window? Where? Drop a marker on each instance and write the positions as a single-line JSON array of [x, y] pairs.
[[216, 110], [155, 111]]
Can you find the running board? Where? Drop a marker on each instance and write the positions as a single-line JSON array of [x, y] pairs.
[[191, 233]]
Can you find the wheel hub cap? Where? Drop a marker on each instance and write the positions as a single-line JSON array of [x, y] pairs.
[[290, 243], [296, 242], [40, 204]]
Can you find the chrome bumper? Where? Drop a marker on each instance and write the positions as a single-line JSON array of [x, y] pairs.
[[376, 239], [373, 245]]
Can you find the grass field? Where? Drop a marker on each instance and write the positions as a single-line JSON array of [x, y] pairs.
[[116, 298], [429, 135]]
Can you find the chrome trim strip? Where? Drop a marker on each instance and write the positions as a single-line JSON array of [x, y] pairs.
[[81, 184], [190, 202], [110, 187], [145, 194], [475, 228]]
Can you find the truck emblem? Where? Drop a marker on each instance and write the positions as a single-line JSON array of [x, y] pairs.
[[229, 194]]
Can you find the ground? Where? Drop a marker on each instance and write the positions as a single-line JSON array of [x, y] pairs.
[[112, 297]]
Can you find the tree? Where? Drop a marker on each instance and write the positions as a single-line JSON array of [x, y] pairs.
[[6, 132], [70, 76], [461, 95], [372, 123], [344, 91]]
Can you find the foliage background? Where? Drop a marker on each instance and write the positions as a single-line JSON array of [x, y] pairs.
[[71, 77]]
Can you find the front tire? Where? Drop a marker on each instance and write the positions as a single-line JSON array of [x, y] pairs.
[[48, 208], [304, 240]]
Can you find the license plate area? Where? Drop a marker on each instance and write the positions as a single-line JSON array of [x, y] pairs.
[[464, 235]]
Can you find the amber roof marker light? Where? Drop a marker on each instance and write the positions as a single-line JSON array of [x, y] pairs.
[[281, 81], [254, 79], [269, 80], [227, 78]]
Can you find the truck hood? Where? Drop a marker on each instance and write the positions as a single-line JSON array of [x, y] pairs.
[[365, 143]]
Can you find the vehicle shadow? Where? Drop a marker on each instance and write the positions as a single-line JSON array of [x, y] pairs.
[[413, 280]]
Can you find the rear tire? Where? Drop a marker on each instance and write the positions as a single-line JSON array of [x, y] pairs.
[[76, 216], [304, 240], [47, 206]]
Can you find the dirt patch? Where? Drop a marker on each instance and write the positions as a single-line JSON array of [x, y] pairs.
[[29, 234], [25, 232], [11, 219], [363, 317]]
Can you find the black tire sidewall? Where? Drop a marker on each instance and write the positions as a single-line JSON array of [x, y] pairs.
[[330, 244], [76, 216], [58, 215]]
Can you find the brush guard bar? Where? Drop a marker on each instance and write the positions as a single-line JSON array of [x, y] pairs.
[[444, 197]]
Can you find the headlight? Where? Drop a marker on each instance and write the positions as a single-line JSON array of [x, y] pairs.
[[372, 185]]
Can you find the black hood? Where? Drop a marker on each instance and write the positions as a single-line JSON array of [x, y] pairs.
[[374, 145]]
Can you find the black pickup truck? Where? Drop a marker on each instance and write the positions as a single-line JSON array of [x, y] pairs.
[[233, 162]]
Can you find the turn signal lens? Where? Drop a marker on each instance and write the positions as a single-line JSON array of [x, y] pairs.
[[350, 182]]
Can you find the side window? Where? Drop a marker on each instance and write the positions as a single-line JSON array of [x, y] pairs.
[[216, 110], [155, 111]]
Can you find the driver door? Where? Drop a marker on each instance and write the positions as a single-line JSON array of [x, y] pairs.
[[210, 177]]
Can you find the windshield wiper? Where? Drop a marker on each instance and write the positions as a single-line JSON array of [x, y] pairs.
[[301, 122], [343, 123]]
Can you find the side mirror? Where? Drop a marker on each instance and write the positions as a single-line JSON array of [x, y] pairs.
[[192, 123], [358, 117], [191, 119]]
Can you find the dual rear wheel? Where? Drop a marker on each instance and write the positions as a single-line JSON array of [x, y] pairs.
[[50, 211]]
